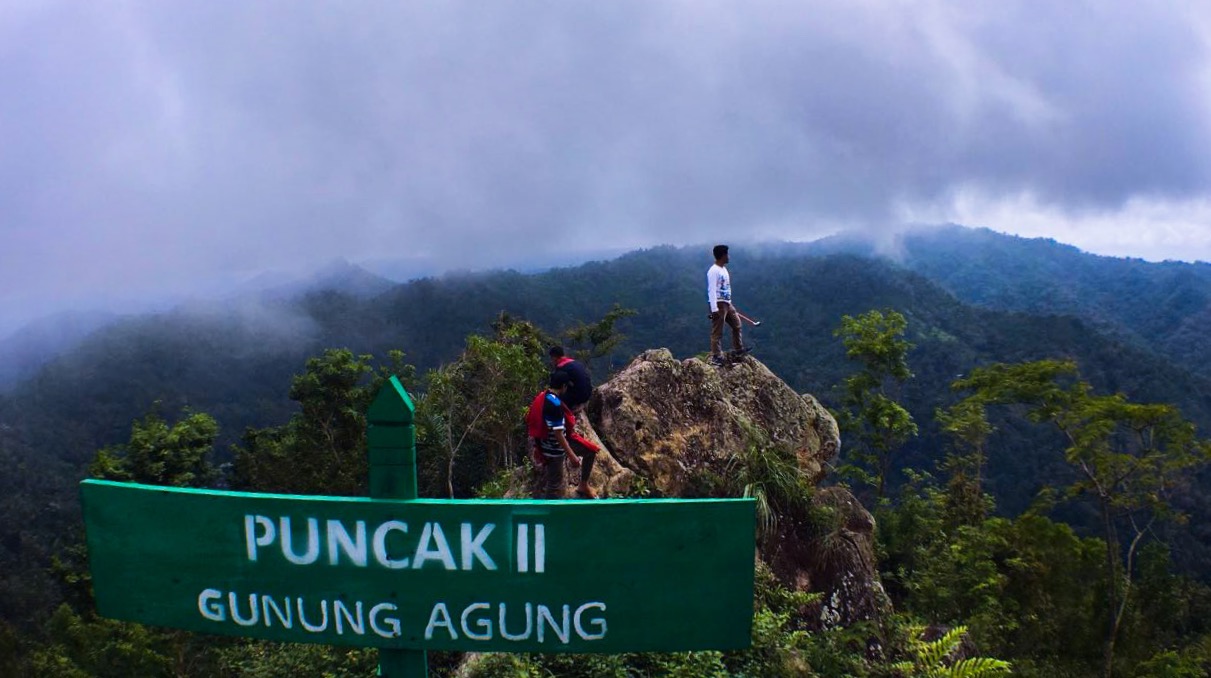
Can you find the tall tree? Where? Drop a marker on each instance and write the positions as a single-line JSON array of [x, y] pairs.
[[322, 449], [1130, 459], [596, 340], [482, 397], [967, 423], [159, 453], [871, 413]]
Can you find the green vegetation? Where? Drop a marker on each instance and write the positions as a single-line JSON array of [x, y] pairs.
[[1025, 586], [1155, 307], [480, 399], [1058, 517], [159, 454], [320, 450], [870, 414], [1131, 459], [929, 657], [598, 340]]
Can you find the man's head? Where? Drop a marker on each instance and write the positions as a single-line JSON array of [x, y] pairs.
[[559, 382], [720, 253], [556, 353]]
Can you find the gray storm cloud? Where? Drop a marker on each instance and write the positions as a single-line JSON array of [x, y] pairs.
[[149, 146]]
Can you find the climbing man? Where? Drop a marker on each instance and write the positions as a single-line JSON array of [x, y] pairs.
[[719, 297], [580, 389], [550, 425]]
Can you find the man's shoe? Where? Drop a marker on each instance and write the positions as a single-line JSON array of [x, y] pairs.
[[717, 360]]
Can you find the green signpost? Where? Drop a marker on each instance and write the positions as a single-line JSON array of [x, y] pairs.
[[408, 575]]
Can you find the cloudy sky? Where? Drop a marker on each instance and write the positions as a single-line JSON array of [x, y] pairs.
[[153, 147]]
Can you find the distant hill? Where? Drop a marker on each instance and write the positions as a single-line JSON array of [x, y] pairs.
[[31, 347], [337, 275], [412, 267], [27, 350], [1162, 307]]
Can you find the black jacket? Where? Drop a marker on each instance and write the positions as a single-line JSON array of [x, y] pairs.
[[581, 388]]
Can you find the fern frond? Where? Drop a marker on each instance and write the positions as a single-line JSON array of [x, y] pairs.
[[929, 658], [977, 667], [933, 653]]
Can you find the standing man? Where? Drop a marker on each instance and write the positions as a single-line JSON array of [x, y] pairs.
[[719, 296], [580, 389], [548, 431]]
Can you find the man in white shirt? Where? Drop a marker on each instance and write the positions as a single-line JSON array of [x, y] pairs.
[[719, 296]]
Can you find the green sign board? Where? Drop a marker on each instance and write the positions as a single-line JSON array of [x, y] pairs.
[[511, 576]]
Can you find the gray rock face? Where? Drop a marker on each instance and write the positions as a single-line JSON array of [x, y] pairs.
[[842, 563], [609, 478], [662, 418]]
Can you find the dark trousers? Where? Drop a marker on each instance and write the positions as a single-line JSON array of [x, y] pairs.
[[725, 314], [555, 474], [587, 457], [554, 477]]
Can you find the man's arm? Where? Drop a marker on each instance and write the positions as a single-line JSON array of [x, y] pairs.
[[712, 289], [567, 447]]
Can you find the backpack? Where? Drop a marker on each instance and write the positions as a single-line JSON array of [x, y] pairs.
[[536, 426]]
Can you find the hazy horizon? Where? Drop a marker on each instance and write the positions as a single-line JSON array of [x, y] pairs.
[[401, 271]]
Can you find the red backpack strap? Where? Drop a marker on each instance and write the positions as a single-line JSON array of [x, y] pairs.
[[573, 435], [536, 427]]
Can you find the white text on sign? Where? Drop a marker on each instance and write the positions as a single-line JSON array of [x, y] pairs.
[[391, 545]]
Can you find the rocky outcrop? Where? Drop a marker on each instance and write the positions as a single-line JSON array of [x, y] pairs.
[[663, 421], [840, 561], [610, 478], [661, 416]]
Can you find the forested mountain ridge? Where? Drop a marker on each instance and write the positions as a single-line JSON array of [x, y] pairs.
[[41, 341], [234, 360], [24, 351], [1164, 307]]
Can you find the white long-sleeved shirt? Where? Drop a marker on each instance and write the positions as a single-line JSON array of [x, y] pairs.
[[718, 286]]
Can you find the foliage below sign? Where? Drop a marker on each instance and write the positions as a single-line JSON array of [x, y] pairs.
[[515, 576]]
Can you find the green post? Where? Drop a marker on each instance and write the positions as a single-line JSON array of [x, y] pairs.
[[391, 438]]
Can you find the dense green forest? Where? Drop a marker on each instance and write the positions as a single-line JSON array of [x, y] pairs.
[[1160, 307], [247, 389]]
